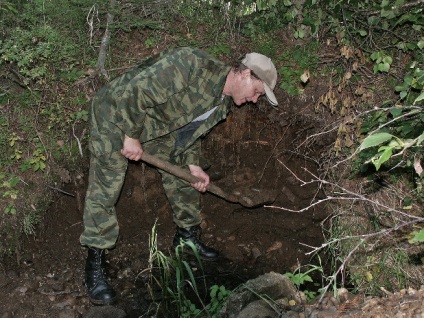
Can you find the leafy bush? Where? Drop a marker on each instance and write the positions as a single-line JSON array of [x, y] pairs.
[[41, 54]]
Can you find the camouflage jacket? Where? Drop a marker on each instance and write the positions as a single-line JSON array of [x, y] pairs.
[[162, 94]]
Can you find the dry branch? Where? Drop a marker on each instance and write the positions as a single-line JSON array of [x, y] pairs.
[[341, 193], [100, 66]]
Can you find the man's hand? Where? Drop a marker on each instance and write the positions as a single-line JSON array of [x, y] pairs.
[[131, 148], [198, 172]]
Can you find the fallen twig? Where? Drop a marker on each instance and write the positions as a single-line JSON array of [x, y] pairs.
[[61, 191]]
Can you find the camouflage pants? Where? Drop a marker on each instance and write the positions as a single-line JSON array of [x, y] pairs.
[[106, 178]]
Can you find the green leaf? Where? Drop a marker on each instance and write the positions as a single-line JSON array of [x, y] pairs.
[[375, 55], [407, 201], [213, 292], [299, 34], [419, 98], [14, 181], [363, 32], [373, 20], [407, 18], [375, 140], [386, 155], [259, 5], [420, 139], [395, 111], [387, 59], [410, 46], [375, 68], [419, 237], [400, 88], [394, 144], [382, 158], [417, 27], [383, 67], [403, 94], [408, 80], [406, 128], [307, 278], [389, 14], [385, 3]]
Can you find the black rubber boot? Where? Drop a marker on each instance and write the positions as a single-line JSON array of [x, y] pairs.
[[192, 234], [99, 290]]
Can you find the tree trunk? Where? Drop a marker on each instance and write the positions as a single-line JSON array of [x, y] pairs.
[[105, 42]]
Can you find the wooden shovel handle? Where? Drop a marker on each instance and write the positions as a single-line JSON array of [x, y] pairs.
[[184, 174]]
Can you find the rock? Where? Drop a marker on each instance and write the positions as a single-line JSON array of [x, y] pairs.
[[258, 309], [274, 285], [21, 290], [256, 253], [282, 302], [343, 294], [274, 247]]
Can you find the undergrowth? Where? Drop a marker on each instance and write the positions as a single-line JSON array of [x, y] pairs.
[[373, 70], [182, 284]]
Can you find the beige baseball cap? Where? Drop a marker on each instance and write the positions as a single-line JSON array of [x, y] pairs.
[[263, 67]]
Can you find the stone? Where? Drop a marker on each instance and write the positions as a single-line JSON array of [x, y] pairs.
[[258, 309], [272, 285]]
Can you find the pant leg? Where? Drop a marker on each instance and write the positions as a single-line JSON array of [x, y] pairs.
[[183, 198], [106, 178]]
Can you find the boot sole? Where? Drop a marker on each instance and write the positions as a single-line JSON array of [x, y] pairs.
[[190, 252], [103, 303]]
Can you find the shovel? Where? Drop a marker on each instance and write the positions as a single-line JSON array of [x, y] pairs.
[[248, 197]]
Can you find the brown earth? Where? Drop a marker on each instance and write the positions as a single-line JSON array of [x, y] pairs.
[[248, 150]]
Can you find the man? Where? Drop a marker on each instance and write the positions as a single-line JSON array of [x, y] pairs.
[[163, 106]]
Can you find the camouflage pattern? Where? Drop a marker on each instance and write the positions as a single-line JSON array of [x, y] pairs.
[[105, 180], [184, 199], [152, 103], [161, 95]]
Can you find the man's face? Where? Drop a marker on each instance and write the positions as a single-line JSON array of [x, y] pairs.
[[247, 89]]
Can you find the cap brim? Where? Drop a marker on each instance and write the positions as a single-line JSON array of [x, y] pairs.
[[270, 95]]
